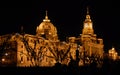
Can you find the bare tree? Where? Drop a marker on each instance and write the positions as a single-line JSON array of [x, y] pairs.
[[32, 50], [59, 54]]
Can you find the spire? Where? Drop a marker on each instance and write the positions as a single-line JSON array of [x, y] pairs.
[[87, 10], [46, 17], [88, 16], [22, 30]]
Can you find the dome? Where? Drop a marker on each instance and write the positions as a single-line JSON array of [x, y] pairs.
[[46, 27]]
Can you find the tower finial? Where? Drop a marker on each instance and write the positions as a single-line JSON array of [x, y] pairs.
[[87, 10], [46, 12], [88, 16], [22, 30], [46, 17]]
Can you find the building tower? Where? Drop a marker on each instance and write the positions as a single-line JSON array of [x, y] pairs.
[[88, 27], [91, 44]]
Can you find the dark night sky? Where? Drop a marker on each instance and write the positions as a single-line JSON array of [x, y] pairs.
[[66, 15]]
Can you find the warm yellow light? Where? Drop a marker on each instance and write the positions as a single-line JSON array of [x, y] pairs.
[[21, 61], [3, 59], [113, 48], [6, 54]]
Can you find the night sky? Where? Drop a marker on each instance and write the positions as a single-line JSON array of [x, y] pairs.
[[66, 15]]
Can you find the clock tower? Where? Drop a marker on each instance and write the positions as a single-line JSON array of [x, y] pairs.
[[92, 45], [87, 25]]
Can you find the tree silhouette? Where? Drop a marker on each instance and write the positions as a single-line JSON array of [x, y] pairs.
[[31, 50], [60, 55]]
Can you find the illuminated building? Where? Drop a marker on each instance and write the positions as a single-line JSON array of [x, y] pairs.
[[90, 46], [113, 54], [45, 49]]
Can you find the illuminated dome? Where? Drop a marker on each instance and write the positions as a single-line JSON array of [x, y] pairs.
[[46, 28]]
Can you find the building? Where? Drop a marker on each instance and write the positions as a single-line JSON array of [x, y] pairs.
[[45, 49], [113, 54], [89, 45]]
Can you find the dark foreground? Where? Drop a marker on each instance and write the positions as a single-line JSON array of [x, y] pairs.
[[60, 70], [108, 68]]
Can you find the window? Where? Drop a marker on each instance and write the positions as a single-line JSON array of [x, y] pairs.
[[21, 46], [22, 59], [27, 58]]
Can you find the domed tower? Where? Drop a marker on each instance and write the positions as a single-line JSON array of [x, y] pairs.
[[47, 30]]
